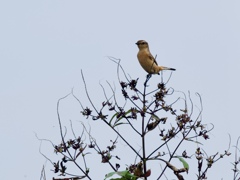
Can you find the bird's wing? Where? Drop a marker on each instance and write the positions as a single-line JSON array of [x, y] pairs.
[[153, 59]]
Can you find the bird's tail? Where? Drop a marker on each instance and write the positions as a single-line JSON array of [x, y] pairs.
[[166, 68]]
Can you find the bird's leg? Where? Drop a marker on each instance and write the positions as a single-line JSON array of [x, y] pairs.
[[147, 79]]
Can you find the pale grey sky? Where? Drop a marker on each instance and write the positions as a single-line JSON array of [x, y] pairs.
[[44, 45]]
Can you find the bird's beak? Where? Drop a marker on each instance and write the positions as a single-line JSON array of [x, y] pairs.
[[136, 43]]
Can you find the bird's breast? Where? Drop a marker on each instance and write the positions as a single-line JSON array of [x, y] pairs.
[[147, 63]]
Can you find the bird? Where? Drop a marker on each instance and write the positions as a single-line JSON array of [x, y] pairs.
[[147, 61]]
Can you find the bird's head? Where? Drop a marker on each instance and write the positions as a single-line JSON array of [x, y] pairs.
[[142, 44]]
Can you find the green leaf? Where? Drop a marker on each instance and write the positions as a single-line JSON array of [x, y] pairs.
[[109, 174], [116, 122], [155, 117], [185, 164], [122, 116], [125, 175], [119, 124], [112, 118]]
